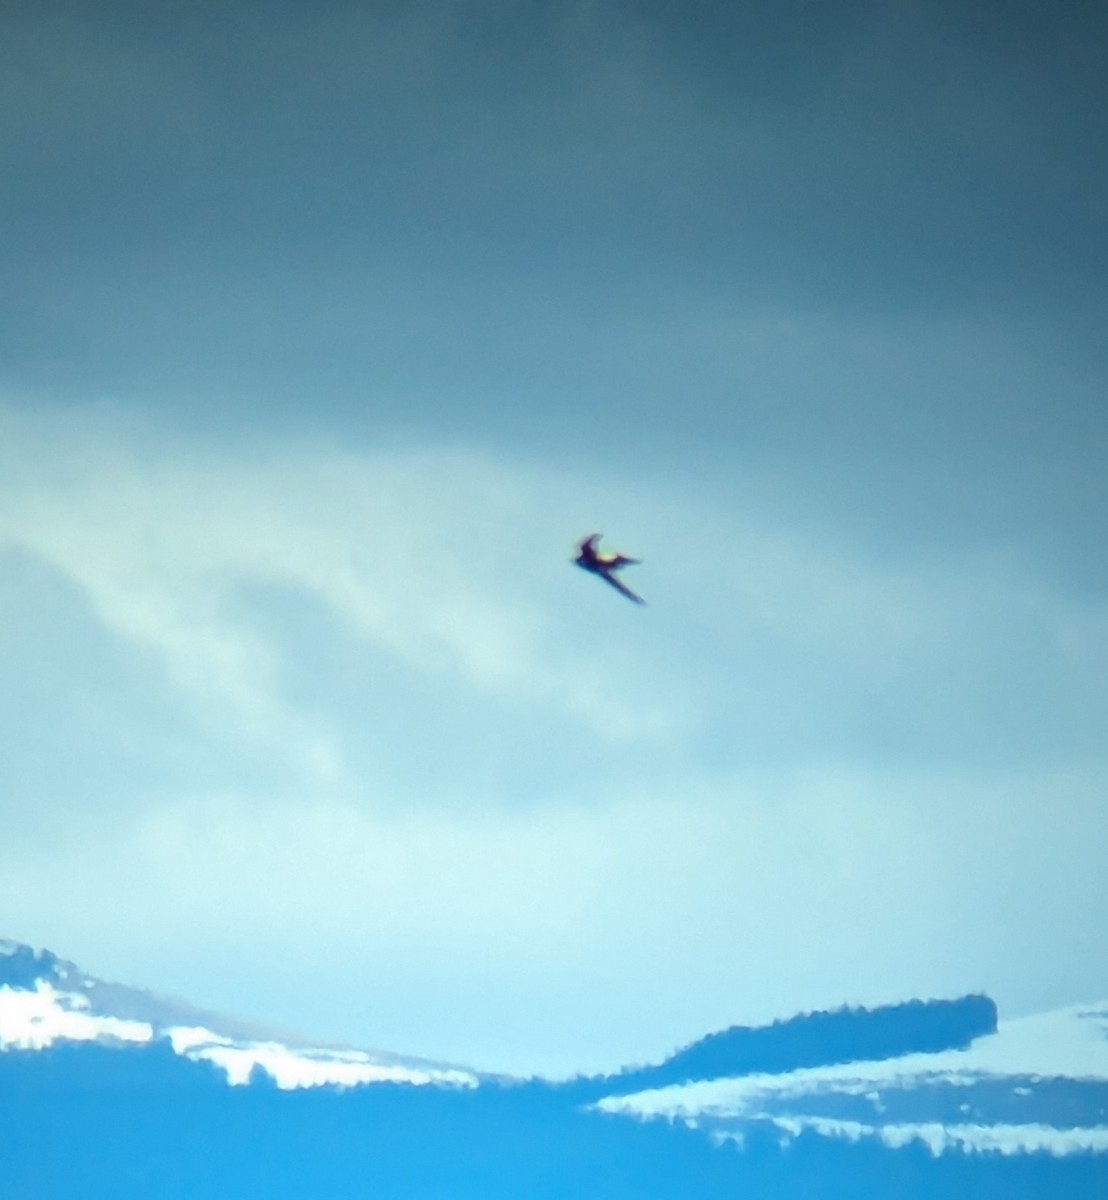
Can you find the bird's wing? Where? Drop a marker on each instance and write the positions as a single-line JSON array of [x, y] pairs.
[[620, 587]]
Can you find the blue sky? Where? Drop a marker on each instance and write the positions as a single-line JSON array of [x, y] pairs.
[[325, 336]]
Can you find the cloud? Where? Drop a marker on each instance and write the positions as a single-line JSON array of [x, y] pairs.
[[304, 601], [425, 556]]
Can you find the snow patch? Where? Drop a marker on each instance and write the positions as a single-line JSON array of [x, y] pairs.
[[33, 1020], [289, 1068], [306, 1068], [980, 1139]]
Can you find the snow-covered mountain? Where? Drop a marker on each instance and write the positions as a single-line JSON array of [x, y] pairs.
[[120, 1094], [44, 1000], [1036, 1084]]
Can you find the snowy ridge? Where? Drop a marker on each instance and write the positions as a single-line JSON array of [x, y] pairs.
[[44, 1000], [1053, 1065]]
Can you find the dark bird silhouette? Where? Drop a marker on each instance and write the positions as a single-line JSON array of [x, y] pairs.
[[589, 558]]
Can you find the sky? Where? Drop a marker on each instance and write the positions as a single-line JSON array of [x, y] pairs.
[[329, 330]]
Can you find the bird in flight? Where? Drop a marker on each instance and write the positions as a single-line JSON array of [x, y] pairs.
[[589, 558]]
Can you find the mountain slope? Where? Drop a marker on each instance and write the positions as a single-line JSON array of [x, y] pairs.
[[1034, 1084], [815, 1039], [125, 1115], [45, 999]]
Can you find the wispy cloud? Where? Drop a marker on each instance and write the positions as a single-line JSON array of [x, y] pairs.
[[427, 556], [446, 570]]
